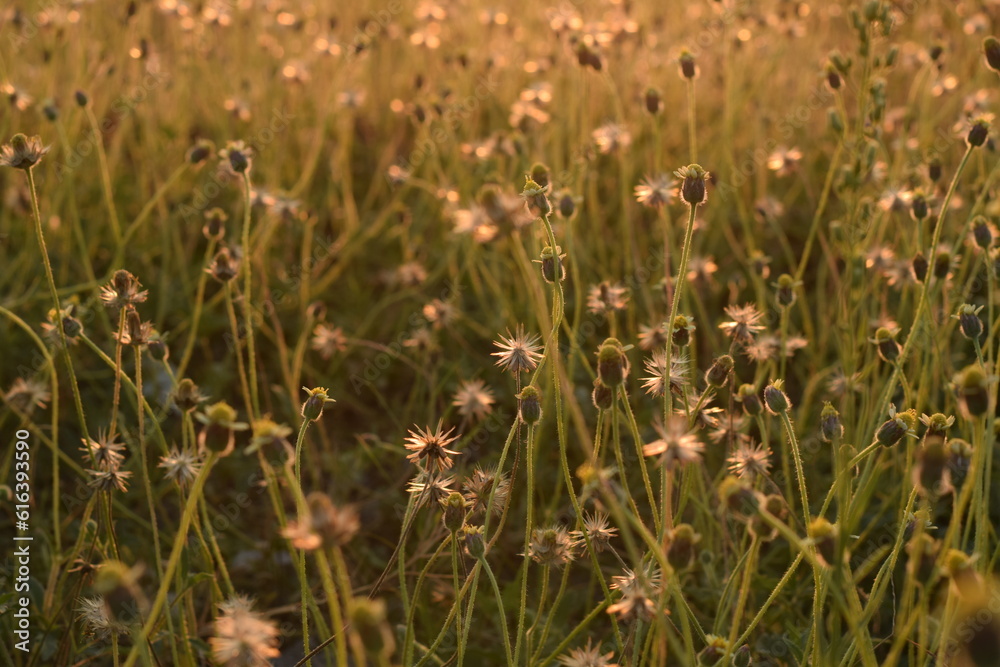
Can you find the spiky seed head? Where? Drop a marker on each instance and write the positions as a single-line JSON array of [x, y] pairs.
[[22, 152], [775, 397], [529, 406], [603, 396], [612, 363], [718, 373], [317, 398], [454, 509]]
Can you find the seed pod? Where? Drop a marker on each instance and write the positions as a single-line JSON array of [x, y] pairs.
[[978, 133], [982, 233], [687, 65], [681, 544], [886, 343], [612, 364], [215, 224], [200, 152], [552, 264], [991, 49], [918, 206], [653, 100], [567, 205], [187, 396], [969, 322], [830, 426], [738, 497], [603, 396], [833, 77], [529, 407], [81, 98], [454, 511], [785, 290], [474, 542], [536, 197], [971, 385], [718, 373], [747, 395], [919, 265], [775, 398], [683, 328], [934, 169], [893, 429], [931, 475]]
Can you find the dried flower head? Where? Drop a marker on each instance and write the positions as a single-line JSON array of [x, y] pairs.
[[597, 529], [744, 323], [430, 448], [123, 291], [474, 400], [551, 546], [105, 451], [589, 656], [22, 152], [481, 485], [519, 352], [242, 637], [181, 466], [677, 444], [749, 461]]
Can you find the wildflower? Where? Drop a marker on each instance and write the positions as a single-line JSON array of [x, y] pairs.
[[590, 656], [536, 197], [72, 326], [316, 401], [747, 395], [736, 496], [982, 233], [749, 461], [242, 637], [529, 406], [136, 333], [123, 291], [328, 340], [606, 298], [200, 152], [653, 100], [693, 179], [431, 446], [551, 546], [597, 528], [784, 161], [937, 424], [885, 339], [652, 337], [22, 152], [474, 541], [744, 323], [181, 466], [688, 68], [268, 434], [931, 474], [519, 352], [474, 400], [324, 524], [656, 367], [978, 132], [220, 428], [677, 445], [551, 260], [705, 417], [656, 191], [481, 484]]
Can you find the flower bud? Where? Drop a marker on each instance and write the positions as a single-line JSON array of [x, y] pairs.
[[893, 429], [830, 426], [991, 49], [535, 195], [775, 398], [200, 152], [612, 364], [567, 205], [718, 373], [971, 385], [454, 511], [312, 408], [81, 98], [653, 100], [529, 407], [982, 233], [978, 133], [687, 65], [681, 544], [683, 328], [934, 169], [919, 208], [919, 265], [552, 264], [693, 190], [969, 322], [824, 535], [785, 290], [215, 224], [474, 542], [603, 396], [886, 343], [747, 395]]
